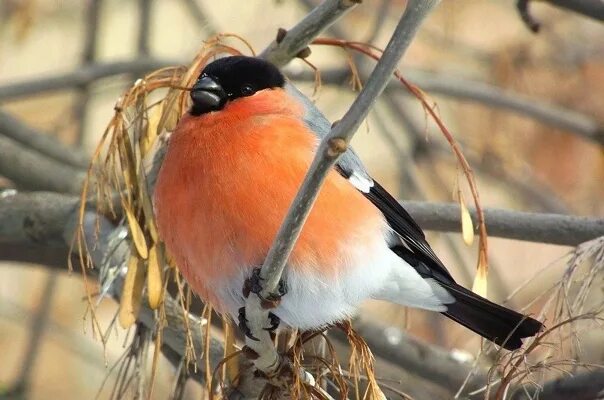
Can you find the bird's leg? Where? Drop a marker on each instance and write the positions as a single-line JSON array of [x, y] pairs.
[[253, 285]]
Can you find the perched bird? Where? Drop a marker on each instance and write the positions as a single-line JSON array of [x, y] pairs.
[[233, 166]]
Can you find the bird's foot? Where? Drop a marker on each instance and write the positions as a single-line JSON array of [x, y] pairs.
[[253, 285], [273, 319]]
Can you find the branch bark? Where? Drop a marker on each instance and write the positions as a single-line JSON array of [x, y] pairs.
[[15, 129], [281, 52], [330, 149], [558, 229], [590, 8], [81, 77], [586, 385], [51, 216], [29, 169], [35, 218], [483, 93]]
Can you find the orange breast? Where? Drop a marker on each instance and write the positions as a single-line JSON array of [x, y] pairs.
[[227, 182]]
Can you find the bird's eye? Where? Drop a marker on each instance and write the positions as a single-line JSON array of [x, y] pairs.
[[247, 90]]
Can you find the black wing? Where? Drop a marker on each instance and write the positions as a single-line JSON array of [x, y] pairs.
[[405, 226]]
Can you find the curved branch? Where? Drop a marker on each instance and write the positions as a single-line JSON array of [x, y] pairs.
[[283, 50], [483, 93]]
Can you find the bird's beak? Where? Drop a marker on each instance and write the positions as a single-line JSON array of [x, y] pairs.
[[207, 95]]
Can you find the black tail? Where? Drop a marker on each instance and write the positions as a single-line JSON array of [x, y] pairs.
[[491, 321]]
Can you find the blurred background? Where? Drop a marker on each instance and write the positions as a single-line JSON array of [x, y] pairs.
[[526, 107]]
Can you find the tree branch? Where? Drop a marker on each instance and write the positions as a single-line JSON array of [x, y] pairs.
[[81, 76], [51, 217], [45, 144], [35, 219], [586, 385], [297, 38], [590, 8], [431, 363], [483, 93], [331, 147], [29, 169], [534, 227]]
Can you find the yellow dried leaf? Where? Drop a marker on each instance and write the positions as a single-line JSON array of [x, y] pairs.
[[480, 280], [172, 115], [137, 234], [467, 227], [154, 276], [152, 125], [147, 206], [132, 290]]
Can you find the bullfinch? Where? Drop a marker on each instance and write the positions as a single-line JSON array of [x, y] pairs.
[[233, 165]]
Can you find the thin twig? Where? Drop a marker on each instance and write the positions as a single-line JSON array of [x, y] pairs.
[[81, 76], [298, 37], [80, 108], [482, 93]]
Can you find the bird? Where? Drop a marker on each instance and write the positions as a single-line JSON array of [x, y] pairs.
[[232, 168]]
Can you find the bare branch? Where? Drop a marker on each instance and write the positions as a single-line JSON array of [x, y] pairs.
[[52, 215], [298, 37], [590, 8], [586, 385], [483, 93], [29, 169], [80, 77], [35, 219], [80, 107], [436, 365], [328, 152], [534, 227], [43, 143]]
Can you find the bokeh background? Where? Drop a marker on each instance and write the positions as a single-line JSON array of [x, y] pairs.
[[520, 163]]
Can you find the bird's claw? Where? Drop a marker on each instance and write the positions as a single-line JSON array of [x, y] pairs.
[[253, 285], [243, 325], [273, 319]]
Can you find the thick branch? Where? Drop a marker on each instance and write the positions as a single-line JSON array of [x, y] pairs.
[[534, 227], [29, 169], [298, 37], [33, 219], [590, 8], [587, 385], [431, 363]]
